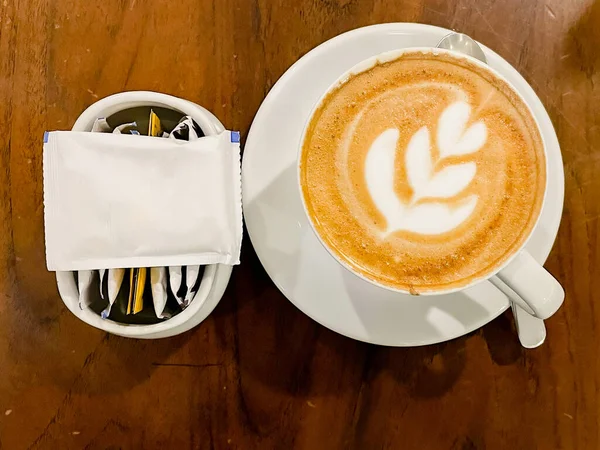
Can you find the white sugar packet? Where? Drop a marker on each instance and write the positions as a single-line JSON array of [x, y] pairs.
[[158, 280], [102, 274], [191, 276], [115, 280], [127, 127], [124, 201], [100, 126], [186, 129], [175, 280]]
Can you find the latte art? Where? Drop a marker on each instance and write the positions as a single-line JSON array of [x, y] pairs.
[[423, 173], [426, 217]]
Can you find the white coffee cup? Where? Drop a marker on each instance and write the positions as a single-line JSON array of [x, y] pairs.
[[539, 292], [215, 277]]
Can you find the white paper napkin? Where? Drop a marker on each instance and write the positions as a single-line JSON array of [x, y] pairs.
[[114, 201]]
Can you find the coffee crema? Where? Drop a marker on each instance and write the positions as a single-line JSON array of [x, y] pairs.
[[423, 173]]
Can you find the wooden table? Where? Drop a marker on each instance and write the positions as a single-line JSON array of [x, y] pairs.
[[258, 374]]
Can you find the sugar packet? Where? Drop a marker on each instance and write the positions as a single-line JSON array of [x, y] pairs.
[[175, 280], [187, 129], [191, 281], [158, 280], [114, 282], [92, 180]]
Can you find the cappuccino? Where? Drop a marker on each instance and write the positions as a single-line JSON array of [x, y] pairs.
[[423, 173]]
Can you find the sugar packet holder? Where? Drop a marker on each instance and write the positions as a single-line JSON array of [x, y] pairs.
[[214, 278]]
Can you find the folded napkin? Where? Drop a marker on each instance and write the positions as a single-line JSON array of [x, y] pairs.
[[116, 200]]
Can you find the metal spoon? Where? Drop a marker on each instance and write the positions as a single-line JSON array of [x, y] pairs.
[[462, 43], [531, 330]]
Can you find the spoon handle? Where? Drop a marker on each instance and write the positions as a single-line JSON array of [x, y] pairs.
[[530, 329]]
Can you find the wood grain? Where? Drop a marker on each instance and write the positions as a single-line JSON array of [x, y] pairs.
[[258, 374]]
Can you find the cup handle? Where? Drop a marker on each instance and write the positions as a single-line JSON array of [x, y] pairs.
[[540, 294]]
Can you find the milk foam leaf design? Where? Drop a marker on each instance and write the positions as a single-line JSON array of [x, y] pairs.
[[446, 183], [418, 160], [436, 218], [449, 181], [431, 215], [452, 138], [379, 175]]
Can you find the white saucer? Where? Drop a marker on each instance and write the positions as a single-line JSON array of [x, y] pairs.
[[293, 256]]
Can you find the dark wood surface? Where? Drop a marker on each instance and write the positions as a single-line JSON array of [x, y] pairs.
[[258, 374]]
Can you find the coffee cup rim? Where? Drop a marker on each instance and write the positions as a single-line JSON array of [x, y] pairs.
[[368, 64]]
